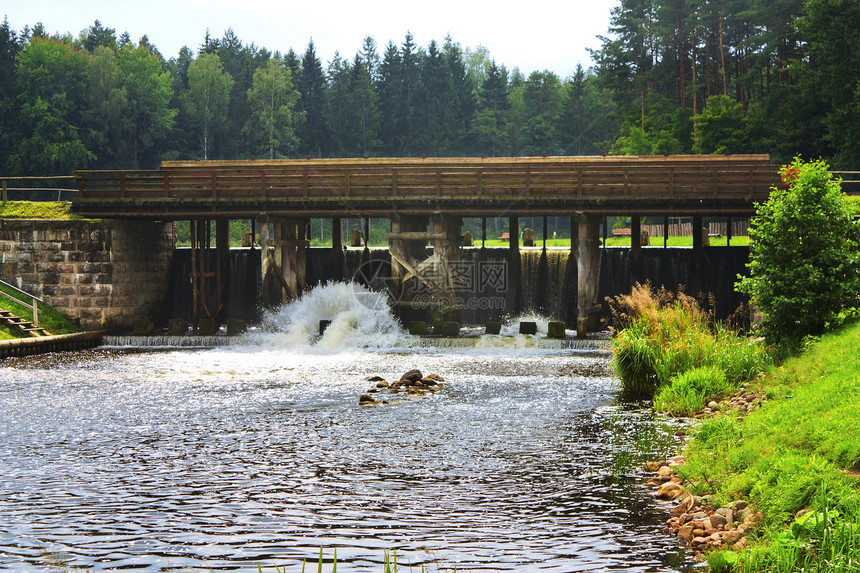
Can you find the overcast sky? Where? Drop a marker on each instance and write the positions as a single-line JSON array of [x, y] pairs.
[[528, 35]]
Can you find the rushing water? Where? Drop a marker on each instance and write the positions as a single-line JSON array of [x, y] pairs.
[[223, 459]]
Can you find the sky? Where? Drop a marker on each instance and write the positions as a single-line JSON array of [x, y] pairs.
[[531, 36]]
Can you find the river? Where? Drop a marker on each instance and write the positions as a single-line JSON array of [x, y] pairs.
[[259, 454]]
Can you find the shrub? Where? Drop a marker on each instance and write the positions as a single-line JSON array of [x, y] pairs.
[[804, 261]]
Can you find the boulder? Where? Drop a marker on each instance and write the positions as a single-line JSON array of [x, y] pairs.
[[412, 376], [366, 399]]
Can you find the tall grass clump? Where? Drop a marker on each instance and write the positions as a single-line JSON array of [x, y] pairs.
[[660, 335]]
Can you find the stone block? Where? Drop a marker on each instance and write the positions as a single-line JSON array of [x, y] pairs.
[[143, 326], [450, 329], [207, 327], [555, 330], [236, 326], [417, 327], [177, 327], [493, 328], [528, 328], [323, 325]]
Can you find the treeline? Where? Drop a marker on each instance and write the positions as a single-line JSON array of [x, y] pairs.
[[776, 76], [671, 76], [96, 101]]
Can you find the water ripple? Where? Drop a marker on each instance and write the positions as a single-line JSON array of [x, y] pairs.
[[223, 459]]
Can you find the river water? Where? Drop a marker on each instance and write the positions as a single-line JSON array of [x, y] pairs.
[[259, 454]]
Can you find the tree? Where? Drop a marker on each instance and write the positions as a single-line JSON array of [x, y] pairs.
[[148, 119], [804, 263], [208, 98], [270, 128], [312, 87], [720, 126], [50, 81], [832, 29], [97, 35], [489, 125], [585, 115], [542, 104], [107, 104], [9, 49]]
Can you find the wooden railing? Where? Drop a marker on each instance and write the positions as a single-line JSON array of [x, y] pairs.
[[33, 301]]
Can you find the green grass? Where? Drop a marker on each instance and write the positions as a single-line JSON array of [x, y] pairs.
[[798, 453], [36, 210], [691, 390], [50, 319]]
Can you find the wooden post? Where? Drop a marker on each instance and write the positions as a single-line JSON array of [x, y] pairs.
[[544, 232], [336, 235], [696, 263], [222, 267], [665, 232], [483, 232], [588, 274], [636, 247], [728, 231], [514, 233]]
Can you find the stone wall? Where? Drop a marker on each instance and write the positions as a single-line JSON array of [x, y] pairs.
[[105, 274]]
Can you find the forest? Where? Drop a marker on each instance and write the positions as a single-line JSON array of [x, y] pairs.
[[670, 76]]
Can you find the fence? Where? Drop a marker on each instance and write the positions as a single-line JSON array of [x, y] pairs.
[[26, 189], [740, 227]]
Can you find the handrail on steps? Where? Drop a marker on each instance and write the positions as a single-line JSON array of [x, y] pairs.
[[32, 303]]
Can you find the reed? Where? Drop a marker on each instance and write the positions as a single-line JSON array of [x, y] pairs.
[[660, 335]]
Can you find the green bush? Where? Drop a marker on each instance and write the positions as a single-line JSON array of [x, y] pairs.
[[804, 261]]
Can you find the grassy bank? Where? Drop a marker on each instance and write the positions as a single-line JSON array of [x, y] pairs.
[[36, 210], [797, 459], [51, 320]]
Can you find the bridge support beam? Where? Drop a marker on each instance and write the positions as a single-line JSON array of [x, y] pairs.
[[407, 244], [284, 259], [588, 274]]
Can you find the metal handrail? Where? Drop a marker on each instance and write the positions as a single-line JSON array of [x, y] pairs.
[[33, 302], [4, 185]]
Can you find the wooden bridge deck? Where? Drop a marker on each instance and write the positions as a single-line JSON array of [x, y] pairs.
[[657, 185]]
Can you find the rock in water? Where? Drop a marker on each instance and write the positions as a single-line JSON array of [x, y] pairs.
[[412, 376], [366, 399]]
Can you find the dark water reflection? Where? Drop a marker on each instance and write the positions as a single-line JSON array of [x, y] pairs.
[[223, 459]]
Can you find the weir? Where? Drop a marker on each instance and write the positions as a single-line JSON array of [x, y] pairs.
[[427, 271]]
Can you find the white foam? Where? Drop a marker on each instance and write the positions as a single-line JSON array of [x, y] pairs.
[[360, 318]]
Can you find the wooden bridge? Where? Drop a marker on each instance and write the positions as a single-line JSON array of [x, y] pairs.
[[677, 185], [425, 200]]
